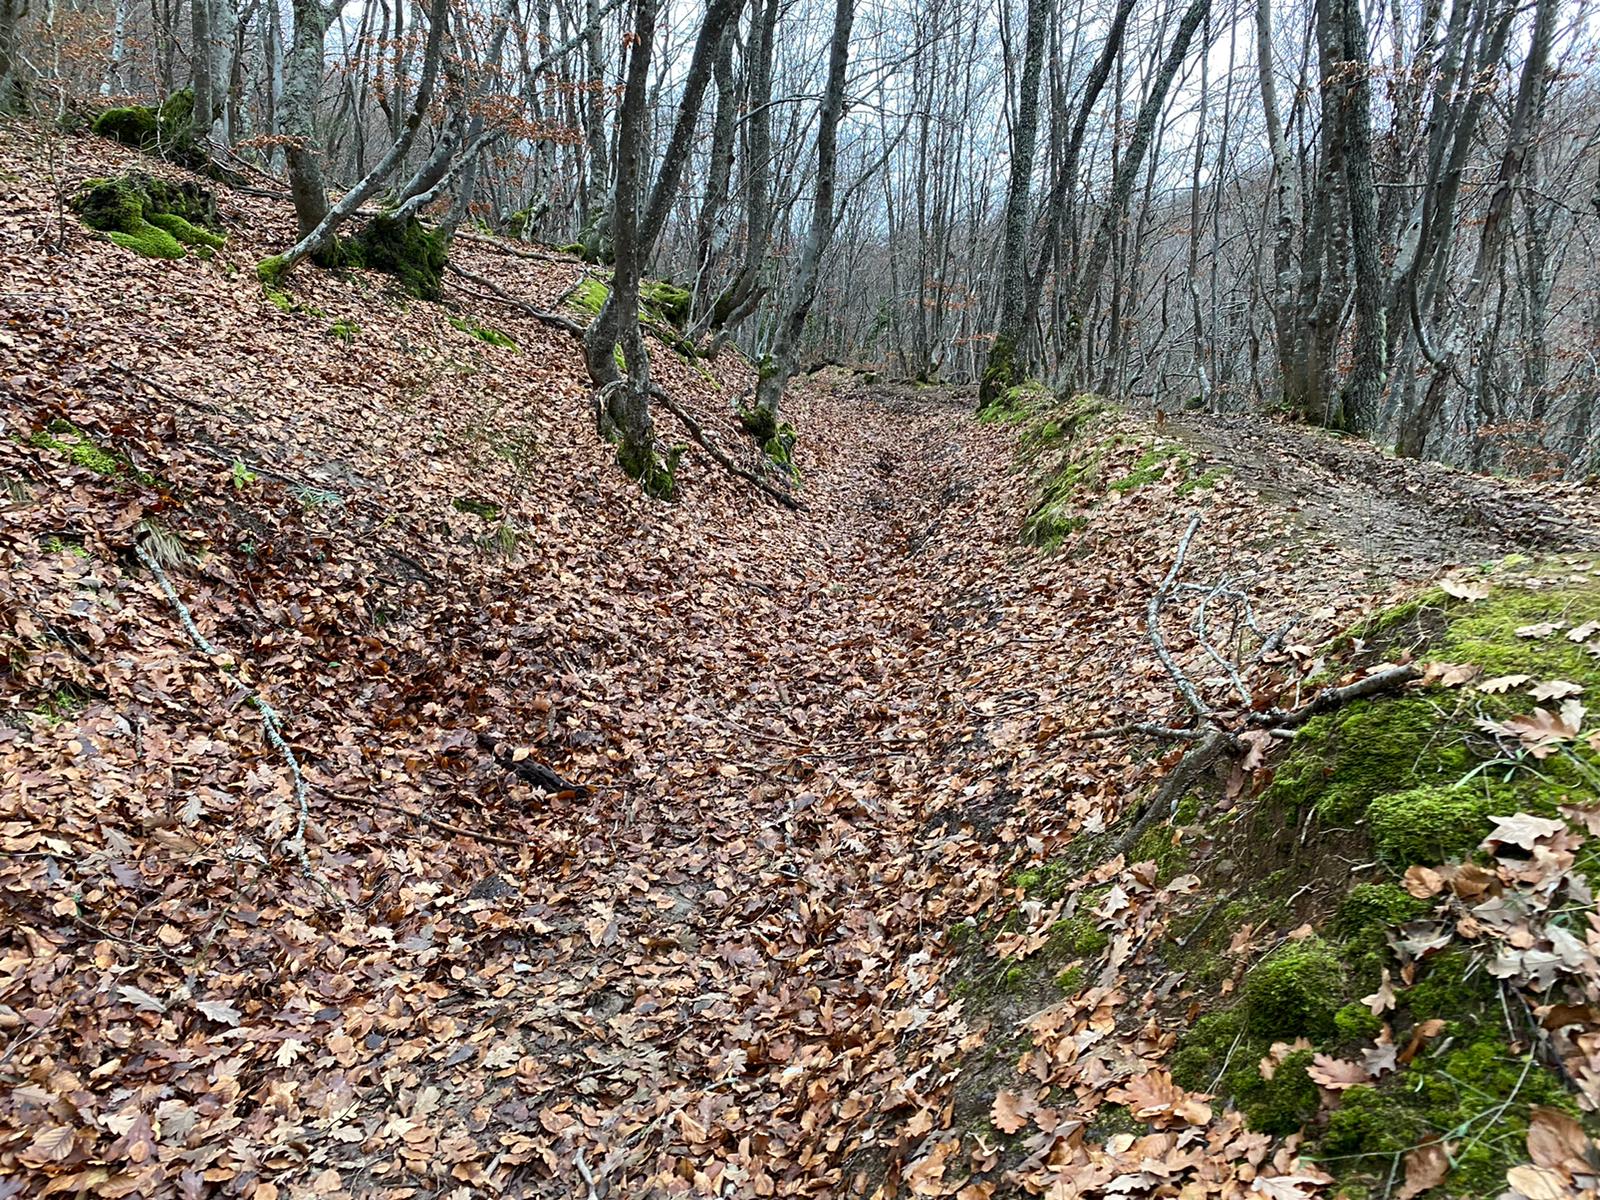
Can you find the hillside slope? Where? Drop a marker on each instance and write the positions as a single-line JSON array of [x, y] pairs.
[[804, 759]]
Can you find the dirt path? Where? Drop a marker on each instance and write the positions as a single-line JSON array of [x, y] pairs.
[[1406, 515], [740, 983]]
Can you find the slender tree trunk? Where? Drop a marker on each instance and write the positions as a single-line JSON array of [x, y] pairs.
[[1353, 92], [740, 298], [779, 365], [13, 81], [1005, 363], [1087, 282], [302, 81]]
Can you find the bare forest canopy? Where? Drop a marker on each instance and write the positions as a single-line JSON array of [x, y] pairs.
[[1374, 217]]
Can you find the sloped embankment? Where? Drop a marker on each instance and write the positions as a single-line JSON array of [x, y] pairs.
[[1368, 930]]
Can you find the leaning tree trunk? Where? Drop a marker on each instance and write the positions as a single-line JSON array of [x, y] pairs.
[[1087, 282], [1001, 371], [271, 270], [774, 374]]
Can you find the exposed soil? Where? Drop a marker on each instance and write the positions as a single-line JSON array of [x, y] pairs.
[[1406, 516]]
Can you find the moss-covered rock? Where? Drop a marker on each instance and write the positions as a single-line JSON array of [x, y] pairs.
[[165, 130], [153, 217], [404, 248], [185, 232], [666, 302], [589, 296]]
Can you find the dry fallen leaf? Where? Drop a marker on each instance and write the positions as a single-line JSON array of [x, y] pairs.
[[1426, 1168]]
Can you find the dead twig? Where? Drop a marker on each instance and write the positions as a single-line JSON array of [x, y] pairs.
[[554, 320], [1181, 681], [1333, 697], [271, 722], [435, 822], [1176, 785]]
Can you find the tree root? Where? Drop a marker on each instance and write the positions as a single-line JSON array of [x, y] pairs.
[[726, 463]]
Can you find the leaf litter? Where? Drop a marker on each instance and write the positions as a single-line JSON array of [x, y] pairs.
[[807, 748]]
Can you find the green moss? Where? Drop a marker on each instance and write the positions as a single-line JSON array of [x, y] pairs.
[[1077, 937], [1071, 980], [404, 248], [1203, 482], [76, 445], [1294, 991], [1280, 1105], [133, 125], [478, 508], [1214, 1045], [666, 302], [1048, 881], [166, 131], [108, 204], [151, 217], [1000, 371], [779, 448], [1369, 747], [1476, 1096], [484, 333], [1454, 987], [1355, 1022], [344, 330], [1381, 904], [589, 296], [1427, 825], [147, 240], [759, 423], [185, 232], [282, 301], [1159, 845], [1113, 1119], [1369, 1122], [270, 271], [1151, 467], [656, 472]]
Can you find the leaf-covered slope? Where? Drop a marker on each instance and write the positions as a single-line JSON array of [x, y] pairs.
[[816, 748]]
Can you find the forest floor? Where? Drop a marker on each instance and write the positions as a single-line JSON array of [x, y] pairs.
[[811, 747]]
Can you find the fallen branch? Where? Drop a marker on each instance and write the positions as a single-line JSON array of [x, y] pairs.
[[1164, 801], [711, 448], [554, 320], [1181, 681], [1333, 697], [529, 771], [505, 247], [271, 722], [435, 822], [1147, 727]]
